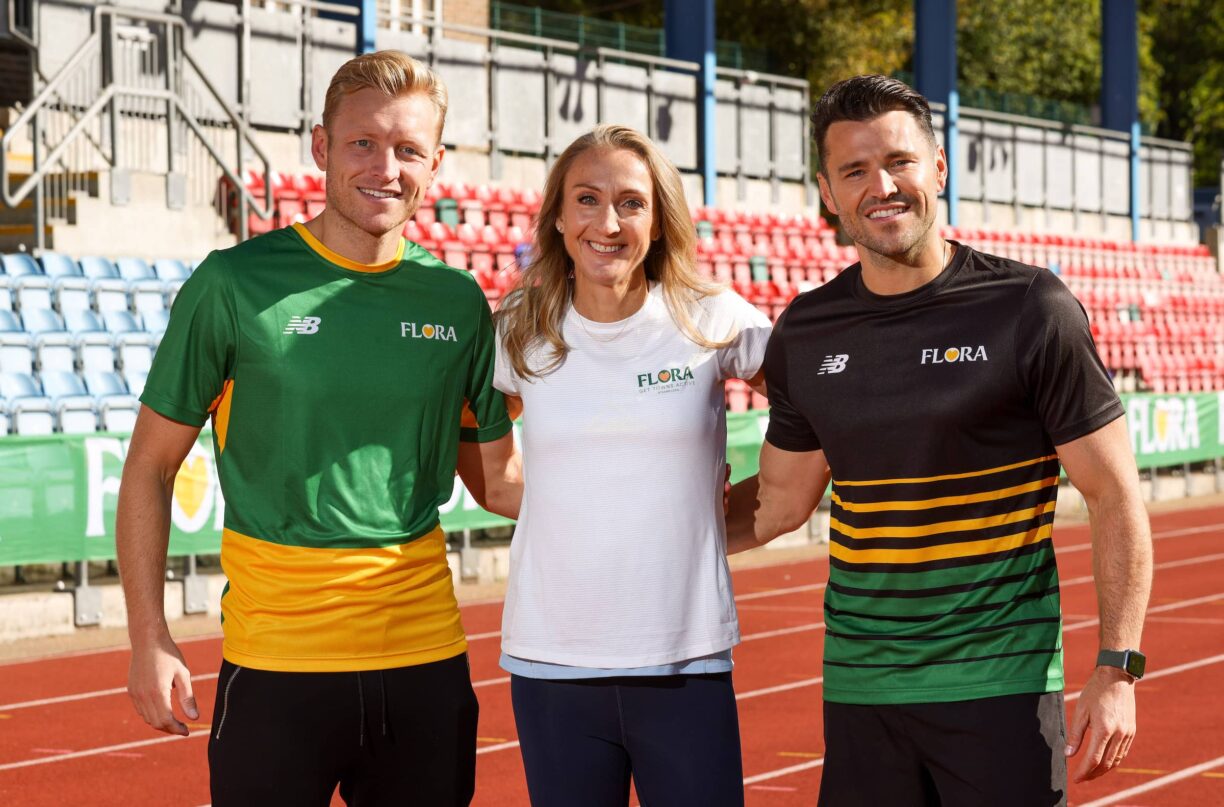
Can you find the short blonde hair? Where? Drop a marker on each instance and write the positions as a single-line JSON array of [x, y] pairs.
[[392, 73]]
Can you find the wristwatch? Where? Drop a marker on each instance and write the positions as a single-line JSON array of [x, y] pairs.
[[1132, 662]]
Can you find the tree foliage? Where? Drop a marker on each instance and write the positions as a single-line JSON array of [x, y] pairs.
[[1045, 48]]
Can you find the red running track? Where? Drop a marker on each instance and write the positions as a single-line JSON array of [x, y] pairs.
[[69, 736]]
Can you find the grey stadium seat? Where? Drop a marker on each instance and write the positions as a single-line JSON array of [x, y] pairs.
[[117, 407], [148, 295], [71, 293], [29, 411], [18, 263], [56, 265], [32, 291], [110, 294], [94, 266], [134, 269], [75, 409], [171, 269]]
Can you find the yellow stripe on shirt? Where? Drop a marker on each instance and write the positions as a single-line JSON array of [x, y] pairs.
[[920, 479], [943, 552], [944, 501], [303, 609]]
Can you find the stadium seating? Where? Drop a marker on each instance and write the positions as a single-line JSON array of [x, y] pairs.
[[1156, 311], [74, 349]]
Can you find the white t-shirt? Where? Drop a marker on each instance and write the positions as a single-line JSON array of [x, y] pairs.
[[619, 556]]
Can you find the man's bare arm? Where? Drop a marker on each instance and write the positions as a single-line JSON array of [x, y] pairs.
[[142, 534], [778, 500], [1102, 468], [493, 474]]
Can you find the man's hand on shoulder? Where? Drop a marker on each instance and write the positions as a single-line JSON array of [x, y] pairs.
[[158, 676], [1106, 712]]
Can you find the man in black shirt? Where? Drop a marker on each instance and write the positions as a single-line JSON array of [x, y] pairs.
[[941, 388]]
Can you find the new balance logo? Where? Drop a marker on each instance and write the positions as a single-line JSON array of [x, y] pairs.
[[833, 364], [303, 325]]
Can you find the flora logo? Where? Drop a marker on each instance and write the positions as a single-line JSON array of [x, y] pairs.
[[442, 333], [670, 377], [950, 355], [1159, 425]]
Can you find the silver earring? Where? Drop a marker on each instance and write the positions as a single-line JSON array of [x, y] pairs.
[[560, 227]]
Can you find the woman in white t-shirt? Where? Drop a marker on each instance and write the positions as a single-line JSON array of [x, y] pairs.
[[619, 617]]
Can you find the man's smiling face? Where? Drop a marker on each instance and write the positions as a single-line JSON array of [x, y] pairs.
[[882, 178]]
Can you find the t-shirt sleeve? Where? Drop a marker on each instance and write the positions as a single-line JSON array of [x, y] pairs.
[[198, 351], [504, 377], [750, 330], [788, 429], [1059, 367], [486, 419]]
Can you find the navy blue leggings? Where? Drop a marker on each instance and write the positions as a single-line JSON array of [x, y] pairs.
[[676, 735]]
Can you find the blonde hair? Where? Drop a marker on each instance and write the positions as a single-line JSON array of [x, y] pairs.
[[392, 73], [533, 311]]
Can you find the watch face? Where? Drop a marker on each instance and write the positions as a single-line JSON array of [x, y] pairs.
[[1135, 663]]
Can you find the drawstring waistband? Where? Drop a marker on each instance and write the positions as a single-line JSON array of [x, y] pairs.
[[382, 694]]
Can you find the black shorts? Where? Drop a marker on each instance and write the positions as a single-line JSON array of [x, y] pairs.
[[404, 736], [1001, 752]]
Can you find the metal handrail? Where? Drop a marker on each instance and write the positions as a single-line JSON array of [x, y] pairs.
[[89, 50]]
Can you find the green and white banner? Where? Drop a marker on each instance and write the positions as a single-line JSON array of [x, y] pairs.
[[58, 493]]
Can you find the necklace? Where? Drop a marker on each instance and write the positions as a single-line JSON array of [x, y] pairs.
[[582, 324]]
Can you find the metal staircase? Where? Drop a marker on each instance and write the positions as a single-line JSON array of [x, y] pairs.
[[131, 101]]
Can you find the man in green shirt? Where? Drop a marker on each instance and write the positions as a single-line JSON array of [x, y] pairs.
[[341, 367]]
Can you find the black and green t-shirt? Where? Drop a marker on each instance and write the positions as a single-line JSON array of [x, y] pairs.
[[337, 392], [938, 411]]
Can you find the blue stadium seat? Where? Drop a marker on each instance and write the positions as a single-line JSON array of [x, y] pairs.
[[134, 352], [32, 291], [135, 381], [75, 409], [71, 293], [56, 265], [29, 411], [41, 320], [96, 267], [117, 407], [9, 322], [119, 321], [95, 352], [148, 295], [155, 322], [16, 351], [18, 263], [110, 294], [6, 293], [79, 321], [171, 269], [133, 269]]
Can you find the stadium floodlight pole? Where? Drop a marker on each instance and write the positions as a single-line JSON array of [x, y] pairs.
[[1120, 86], [689, 30], [935, 78]]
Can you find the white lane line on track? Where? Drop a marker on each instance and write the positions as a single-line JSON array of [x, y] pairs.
[[1156, 536], [8, 707], [803, 766], [756, 595], [750, 637], [96, 751], [1158, 609], [1167, 671], [1176, 776], [488, 749]]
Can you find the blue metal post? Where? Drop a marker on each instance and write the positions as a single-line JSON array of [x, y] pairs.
[[935, 78], [689, 27], [1120, 85], [367, 24]]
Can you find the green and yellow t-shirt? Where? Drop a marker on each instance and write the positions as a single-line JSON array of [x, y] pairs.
[[336, 392]]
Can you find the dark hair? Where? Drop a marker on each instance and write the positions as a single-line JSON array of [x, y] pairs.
[[865, 97]]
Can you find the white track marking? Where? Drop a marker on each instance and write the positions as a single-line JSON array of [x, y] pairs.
[[9, 707], [769, 634], [803, 766], [1158, 609], [756, 693], [1156, 536], [1169, 564], [488, 749], [96, 751], [1167, 671], [1155, 784]]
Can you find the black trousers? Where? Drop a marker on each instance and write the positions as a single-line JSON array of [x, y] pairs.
[[404, 736], [677, 736], [990, 752]]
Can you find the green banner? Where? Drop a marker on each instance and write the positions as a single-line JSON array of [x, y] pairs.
[[58, 493]]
